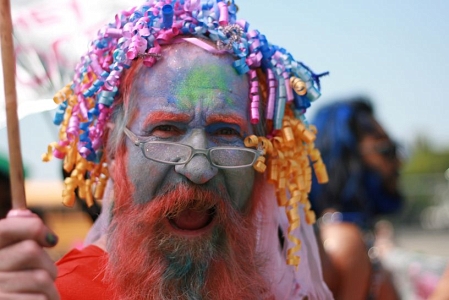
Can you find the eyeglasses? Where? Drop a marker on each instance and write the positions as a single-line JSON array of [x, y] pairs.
[[179, 154]]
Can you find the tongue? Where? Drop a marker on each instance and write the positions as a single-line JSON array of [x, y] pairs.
[[191, 219]]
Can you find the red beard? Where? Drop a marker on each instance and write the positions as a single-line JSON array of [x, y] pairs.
[[148, 260]]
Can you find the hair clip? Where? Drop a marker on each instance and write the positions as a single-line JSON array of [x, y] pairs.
[[234, 34]]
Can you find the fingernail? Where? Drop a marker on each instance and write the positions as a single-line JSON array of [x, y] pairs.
[[51, 238]]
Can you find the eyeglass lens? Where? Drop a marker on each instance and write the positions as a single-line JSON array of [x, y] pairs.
[[167, 152], [231, 157], [178, 153]]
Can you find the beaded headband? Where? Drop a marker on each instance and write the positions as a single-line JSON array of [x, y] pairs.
[[283, 85]]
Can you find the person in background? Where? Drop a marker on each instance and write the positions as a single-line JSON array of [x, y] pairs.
[[363, 167], [197, 124]]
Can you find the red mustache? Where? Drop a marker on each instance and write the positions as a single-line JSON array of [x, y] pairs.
[[181, 197]]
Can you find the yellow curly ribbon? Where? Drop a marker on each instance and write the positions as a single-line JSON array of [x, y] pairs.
[[298, 85], [287, 135], [281, 196], [70, 159], [98, 177], [68, 194], [251, 141], [266, 145], [294, 223], [63, 94], [88, 193], [89, 186], [259, 165], [290, 155], [272, 171], [47, 156], [102, 179]]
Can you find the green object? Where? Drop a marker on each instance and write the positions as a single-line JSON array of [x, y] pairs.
[[4, 166]]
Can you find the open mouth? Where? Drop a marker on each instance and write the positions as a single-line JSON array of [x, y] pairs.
[[192, 221]]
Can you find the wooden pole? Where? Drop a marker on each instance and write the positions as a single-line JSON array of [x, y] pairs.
[[12, 120]]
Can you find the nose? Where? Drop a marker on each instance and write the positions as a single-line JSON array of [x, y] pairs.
[[198, 169]]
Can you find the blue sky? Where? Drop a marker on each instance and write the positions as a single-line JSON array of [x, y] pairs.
[[396, 52]]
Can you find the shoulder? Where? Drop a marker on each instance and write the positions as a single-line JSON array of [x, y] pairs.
[[81, 274]]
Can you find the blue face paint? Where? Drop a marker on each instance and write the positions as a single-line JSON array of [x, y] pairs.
[[200, 113]]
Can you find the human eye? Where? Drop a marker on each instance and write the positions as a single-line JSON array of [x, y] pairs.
[[225, 134], [227, 131], [166, 131]]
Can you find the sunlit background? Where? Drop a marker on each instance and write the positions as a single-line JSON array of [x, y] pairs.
[[394, 52]]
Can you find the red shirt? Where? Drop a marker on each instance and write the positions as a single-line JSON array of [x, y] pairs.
[[80, 275]]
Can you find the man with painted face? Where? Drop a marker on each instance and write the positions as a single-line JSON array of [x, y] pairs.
[[199, 124]]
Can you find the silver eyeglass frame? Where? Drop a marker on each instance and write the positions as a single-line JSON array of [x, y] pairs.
[[206, 152]]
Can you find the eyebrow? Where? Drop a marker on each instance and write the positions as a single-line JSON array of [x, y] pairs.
[[163, 116], [239, 121]]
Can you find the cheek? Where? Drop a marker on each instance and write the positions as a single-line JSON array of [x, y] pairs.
[[239, 183], [373, 160], [145, 176]]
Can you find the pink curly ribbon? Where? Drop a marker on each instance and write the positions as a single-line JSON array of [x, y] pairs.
[[271, 94], [224, 16]]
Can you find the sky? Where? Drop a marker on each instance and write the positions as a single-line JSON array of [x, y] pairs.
[[395, 52]]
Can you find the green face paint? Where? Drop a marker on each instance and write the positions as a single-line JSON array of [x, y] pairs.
[[201, 83]]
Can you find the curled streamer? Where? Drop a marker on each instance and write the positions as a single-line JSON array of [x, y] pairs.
[[287, 159], [279, 109], [288, 88], [138, 45], [254, 96], [224, 16], [271, 94], [298, 86]]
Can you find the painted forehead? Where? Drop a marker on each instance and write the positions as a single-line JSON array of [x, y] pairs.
[[181, 59], [187, 74]]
